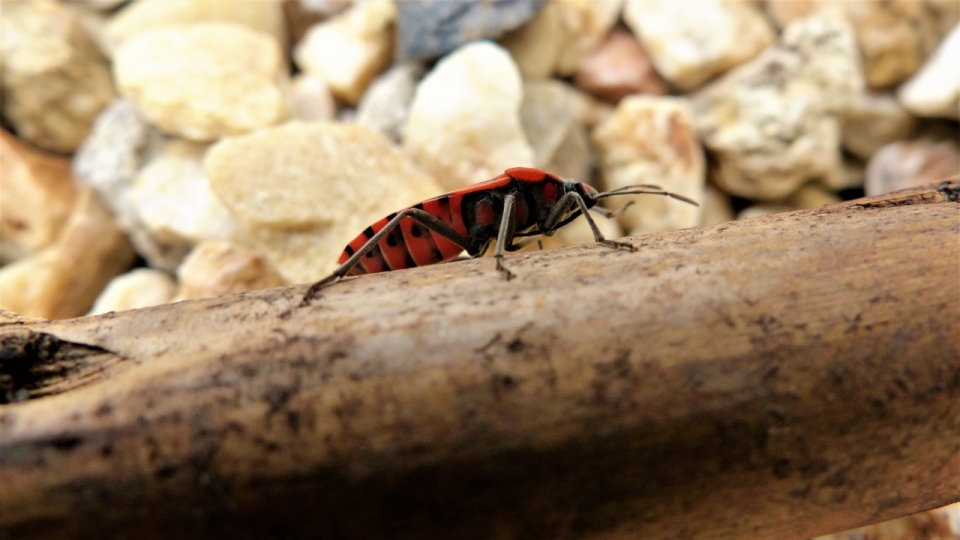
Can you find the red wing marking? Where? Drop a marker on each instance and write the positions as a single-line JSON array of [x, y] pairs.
[[484, 213], [548, 195], [527, 174]]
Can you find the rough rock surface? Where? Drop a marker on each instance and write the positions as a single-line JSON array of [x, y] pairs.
[[203, 81], [64, 279], [304, 190], [36, 194], [427, 29], [217, 268], [773, 123], [143, 15], [561, 35], [447, 136], [651, 140], [53, 78], [349, 50], [139, 288], [683, 50]]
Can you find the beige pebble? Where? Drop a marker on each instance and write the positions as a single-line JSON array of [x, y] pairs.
[[558, 139], [63, 280], [557, 39], [203, 81], [139, 288], [464, 124], [304, 190], [651, 140], [217, 268], [716, 207], [812, 195], [588, 110], [36, 194], [873, 120], [907, 164], [773, 122], [53, 77], [690, 43], [139, 16], [893, 36], [350, 49], [618, 68]]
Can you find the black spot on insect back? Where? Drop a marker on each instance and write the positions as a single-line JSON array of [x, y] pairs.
[[368, 232], [415, 231]]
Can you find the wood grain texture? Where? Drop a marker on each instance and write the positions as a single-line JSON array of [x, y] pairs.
[[778, 377]]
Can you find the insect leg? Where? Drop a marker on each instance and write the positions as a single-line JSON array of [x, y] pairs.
[[430, 222], [597, 235], [505, 235]]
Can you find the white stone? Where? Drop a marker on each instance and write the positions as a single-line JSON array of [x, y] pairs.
[[309, 99], [773, 122], [109, 160], [693, 40], [650, 140], [935, 89], [205, 80], [464, 124], [140, 288], [349, 50], [386, 104], [173, 199]]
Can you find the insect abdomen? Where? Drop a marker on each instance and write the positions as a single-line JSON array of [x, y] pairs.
[[411, 244]]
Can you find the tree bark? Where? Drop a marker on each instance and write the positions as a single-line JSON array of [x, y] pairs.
[[777, 377]]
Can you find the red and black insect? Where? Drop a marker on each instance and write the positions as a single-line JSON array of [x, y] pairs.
[[520, 202]]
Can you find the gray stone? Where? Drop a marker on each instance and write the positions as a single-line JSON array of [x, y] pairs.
[[427, 28]]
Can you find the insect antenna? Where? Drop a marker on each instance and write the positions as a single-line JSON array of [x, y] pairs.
[[643, 190], [612, 213]]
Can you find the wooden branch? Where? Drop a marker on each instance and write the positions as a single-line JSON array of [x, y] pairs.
[[778, 377]]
